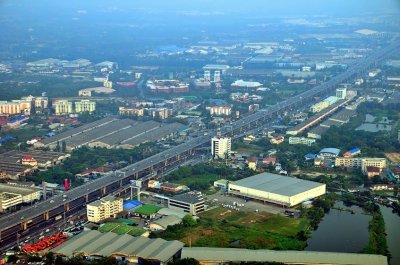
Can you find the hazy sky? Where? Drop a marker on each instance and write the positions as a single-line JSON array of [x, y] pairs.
[[259, 7]]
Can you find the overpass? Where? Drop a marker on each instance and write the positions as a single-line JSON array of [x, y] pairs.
[[43, 214]]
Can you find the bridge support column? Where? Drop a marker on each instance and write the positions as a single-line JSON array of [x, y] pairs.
[[87, 197], [120, 183], [103, 191], [46, 216], [24, 225], [136, 175], [66, 207]]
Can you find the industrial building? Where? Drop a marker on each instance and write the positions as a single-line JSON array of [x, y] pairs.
[[112, 133], [301, 140], [104, 208], [222, 256], [125, 248], [221, 147], [162, 223], [191, 202], [277, 189], [13, 195], [241, 84], [34, 158], [329, 152]]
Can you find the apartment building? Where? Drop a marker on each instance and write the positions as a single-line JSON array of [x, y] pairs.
[[301, 140], [104, 208], [221, 147]]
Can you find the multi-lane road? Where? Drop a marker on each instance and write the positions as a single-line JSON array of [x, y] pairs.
[[23, 219]]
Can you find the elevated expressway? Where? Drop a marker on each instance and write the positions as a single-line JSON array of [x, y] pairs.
[[20, 224]]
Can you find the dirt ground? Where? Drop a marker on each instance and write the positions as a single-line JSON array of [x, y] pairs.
[[393, 157]]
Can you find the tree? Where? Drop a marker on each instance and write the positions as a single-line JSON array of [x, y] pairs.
[[188, 220], [63, 146], [50, 258], [186, 261]]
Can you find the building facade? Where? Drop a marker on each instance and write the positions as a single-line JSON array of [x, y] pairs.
[[127, 111], [221, 147], [63, 107], [301, 140], [191, 202], [220, 110], [85, 106], [341, 93]]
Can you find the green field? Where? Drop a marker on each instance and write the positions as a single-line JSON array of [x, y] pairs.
[[251, 149], [147, 209], [108, 227], [121, 229], [223, 228]]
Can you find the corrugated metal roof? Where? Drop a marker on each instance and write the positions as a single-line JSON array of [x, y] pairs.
[[287, 257], [277, 184], [94, 243]]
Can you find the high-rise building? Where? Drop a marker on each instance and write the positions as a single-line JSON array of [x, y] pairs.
[[341, 93], [217, 76], [207, 76], [221, 147]]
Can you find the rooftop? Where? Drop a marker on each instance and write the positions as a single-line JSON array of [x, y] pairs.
[[287, 257], [10, 188], [92, 243], [273, 183], [192, 197]]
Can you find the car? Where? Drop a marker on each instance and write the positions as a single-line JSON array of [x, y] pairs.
[[51, 201]]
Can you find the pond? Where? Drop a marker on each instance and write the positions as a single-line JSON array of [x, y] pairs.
[[392, 224], [341, 231]]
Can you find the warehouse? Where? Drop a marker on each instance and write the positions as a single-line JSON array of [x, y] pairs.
[[135, 131], [126, 248], [52, 141], [220, 256], [277, 189]]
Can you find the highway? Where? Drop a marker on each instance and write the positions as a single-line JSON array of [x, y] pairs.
[[138, 170]]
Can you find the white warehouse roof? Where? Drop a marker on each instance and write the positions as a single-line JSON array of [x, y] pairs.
[[277, 184]]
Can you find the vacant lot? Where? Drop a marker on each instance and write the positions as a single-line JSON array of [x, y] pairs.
[[120, 229], [222, 227], [393, 157]]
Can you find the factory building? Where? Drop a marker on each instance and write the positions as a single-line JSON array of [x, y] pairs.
[[13, 195], [191, 202], [104, 208], [277, 189], [221, 147], [125, 249]]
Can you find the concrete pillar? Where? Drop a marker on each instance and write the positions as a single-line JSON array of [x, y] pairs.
[[24, 225], [66, 207], [103, 191], [46, 216], [87, 198]]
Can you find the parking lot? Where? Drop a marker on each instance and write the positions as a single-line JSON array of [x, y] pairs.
[[222, 200]]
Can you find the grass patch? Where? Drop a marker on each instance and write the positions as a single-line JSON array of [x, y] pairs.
[[147, 209], [251, 149], [108, 227], [136, 231], [221, 227], [121, 229]]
